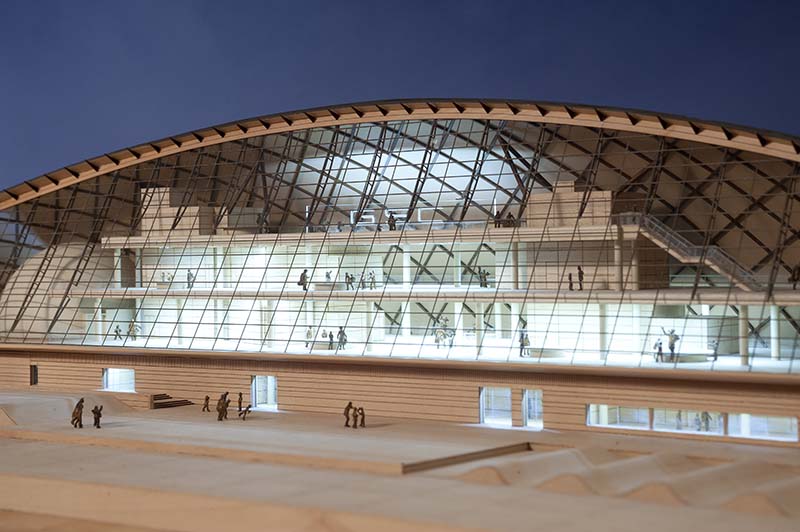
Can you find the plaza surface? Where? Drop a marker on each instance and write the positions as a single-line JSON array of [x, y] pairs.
[[179, 469]]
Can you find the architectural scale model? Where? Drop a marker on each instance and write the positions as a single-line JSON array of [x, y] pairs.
[[502, 262]]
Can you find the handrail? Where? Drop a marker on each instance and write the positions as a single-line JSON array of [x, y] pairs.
[[713, 256]]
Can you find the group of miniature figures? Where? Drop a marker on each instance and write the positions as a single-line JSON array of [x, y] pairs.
[[365, 281], [77, 415], [702, 422], [167, 277], [359, 417], [223, 403], [368, 280], [672, 341], [508, 221], [580, 280], [341, 338], [133, 331]]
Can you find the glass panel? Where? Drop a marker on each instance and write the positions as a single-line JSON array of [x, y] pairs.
[[671, 420], [481, 240], [496, 406], [618, 417], [532, 409], [265, 392], [762, 427], [119, 380]]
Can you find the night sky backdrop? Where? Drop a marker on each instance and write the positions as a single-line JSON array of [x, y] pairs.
[[80, 78]]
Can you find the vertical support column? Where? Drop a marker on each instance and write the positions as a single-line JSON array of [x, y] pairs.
[[407, 278], [603, 334], [619, 279], [633, 275], [458, 316], [516, 408], [117, 268], [499, 322], [637, 338], [405, 328], [479, 327], [774, 333], [515, 265], [744, 334], [457, 267]]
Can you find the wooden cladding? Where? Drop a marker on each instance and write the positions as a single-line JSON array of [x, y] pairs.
[[414, 392]]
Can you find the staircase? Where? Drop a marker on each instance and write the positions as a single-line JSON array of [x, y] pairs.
[[163, 400], [682, 249]]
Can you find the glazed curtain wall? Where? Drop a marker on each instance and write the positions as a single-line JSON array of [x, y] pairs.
[[453, 239]]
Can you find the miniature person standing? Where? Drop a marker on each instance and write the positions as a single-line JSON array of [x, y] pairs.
[[371, 277], [205, 404], [392, 222], [672, 339], [77, 415], [328, 276], [222, 407], [97, 412], [347, 410], [309, 336], [705, 417], [303, 280], [362, 416], [225, 407], [355, 418], [189, 279], [132, 328], [342, 337], [794, 277], [659, 351], [243, 413], [510, 220], [569, 279], [678, 421], [239, 401], [117, 332], [330, 340], [580, 278]]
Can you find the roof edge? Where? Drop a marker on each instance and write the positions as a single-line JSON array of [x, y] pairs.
[[721, 134]]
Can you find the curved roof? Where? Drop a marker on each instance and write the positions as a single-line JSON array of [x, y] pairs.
[[760, 141]]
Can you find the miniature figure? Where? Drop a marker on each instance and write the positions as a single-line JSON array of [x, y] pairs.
[[347, 410], [77, 415], [97, 412], [205, 404]]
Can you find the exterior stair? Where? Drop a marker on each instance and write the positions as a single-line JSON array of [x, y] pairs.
[[163, 400], [682, 249]]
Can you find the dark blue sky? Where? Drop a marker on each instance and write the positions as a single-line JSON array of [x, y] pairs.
[[81, 78]]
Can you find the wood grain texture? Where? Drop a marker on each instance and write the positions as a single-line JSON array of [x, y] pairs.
[[414, 392]]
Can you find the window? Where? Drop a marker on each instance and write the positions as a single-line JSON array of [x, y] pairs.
[[621, 417], [119, 380], [762, 427], [34, 375], [532, 409], [265, 392], [699, 422], [496, 406], [672, 420]]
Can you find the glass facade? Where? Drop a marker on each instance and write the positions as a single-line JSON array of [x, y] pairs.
[[452, 239]]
